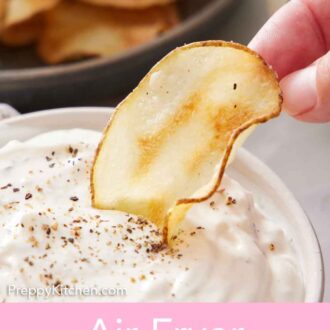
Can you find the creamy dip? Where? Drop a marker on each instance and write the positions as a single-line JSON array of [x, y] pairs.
[[51, 237]]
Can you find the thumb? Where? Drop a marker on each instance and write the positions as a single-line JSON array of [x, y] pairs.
[[306, 92]]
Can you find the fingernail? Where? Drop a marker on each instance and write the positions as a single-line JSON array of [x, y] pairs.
[[299, 91]]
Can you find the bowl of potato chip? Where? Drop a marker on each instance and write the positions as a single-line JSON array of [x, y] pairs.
[[80, 52]]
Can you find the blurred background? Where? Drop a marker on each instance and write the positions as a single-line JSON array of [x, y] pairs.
[[298, 152], [39, 49]]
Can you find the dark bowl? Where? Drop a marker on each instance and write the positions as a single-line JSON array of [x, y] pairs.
[[27, 84]]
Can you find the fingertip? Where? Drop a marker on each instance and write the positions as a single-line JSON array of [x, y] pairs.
[[306, 92], [299, 91]]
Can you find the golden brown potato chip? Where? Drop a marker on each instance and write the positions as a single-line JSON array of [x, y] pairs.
[[22, 34], [167, 145], [18, 11], [75, 30], [133, 4], [2, 13]]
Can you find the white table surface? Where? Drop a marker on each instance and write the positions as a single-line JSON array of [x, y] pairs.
[[298, 152]]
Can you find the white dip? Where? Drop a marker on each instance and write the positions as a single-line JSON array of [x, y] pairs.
[[51, 236]]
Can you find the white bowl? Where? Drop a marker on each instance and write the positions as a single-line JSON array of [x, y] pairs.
[[271, 194]]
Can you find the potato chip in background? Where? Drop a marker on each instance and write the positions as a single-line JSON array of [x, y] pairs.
[[18, 11], [2, 13], [74, 30], [133, 4], [22, 34]]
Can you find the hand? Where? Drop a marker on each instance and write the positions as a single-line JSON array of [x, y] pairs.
[[296, 42]]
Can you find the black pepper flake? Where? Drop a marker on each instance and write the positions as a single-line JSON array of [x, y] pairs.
[[6, 186], [74, 198], [230, 201], [16, 190], [72, 151], [71, 240], [28, 261], [57, 283], [28, 196], [234, 86], [157, 247]]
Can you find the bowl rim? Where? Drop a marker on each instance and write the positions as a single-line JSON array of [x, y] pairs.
[[246, 157], [259, 166], [207, 13]]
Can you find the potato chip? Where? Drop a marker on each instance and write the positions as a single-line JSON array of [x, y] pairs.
[[19, 11], [133, 4], [168, 143], [3, 4], [75, 30], [22, 34]]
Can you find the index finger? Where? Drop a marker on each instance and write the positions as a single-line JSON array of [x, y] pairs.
[[295, 36]]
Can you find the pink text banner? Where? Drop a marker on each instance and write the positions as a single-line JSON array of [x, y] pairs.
[[201, 316]]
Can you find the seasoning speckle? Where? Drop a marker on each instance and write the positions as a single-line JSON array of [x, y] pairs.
[[272, 247], [28, 196]]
